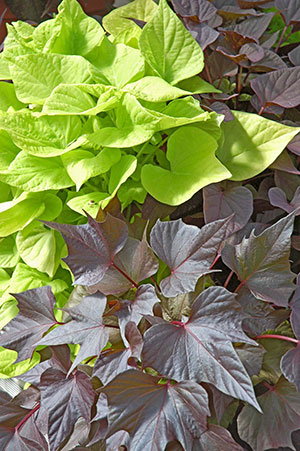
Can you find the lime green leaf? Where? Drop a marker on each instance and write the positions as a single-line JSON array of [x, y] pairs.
[[119, 64], [130, 191], [134, 125], [191, 153], [8, 97], [154, 89], [11, 150], [53, 207], [35, 76], [37, 174], [82, 165], [9, 370], [197, 85], [16, 214], [8, 311], [251, 143], [41, 248], [129, 36], [88, 202], [77, 99], [169, 48], [4, 68], [117, 20], [42, 136], [4, 280], [9, 255]]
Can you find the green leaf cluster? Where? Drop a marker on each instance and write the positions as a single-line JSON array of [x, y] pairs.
[[89, 116]]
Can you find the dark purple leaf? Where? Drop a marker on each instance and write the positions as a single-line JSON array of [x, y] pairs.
[[253, 52], [254, 27], [202, 9], [289, 10], [153, 413], [86, 329], [278, 88], [290, 366], [252, 3], [136, 259], [294, 56], [262, 262], [220, 66], [271, 61], [278, 199], [202, 33], [92, 247], [295, 306], [140, 23], [34, 319], [216, 438], [142, 304], [222, 108], [294, 145], [110, 364], [271, 109], [220, 400], [287, 182], [281, 416], [285, 164], [251, 357], [11, 440], [232, 12], [223, 199], [188, 251], [66, 400], [201, 348]]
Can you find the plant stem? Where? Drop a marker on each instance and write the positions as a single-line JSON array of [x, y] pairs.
[[215, 261], [261, 110], [27, 416], [239, 80], [281, 39], [125, 275], [155, 283], [278, 337], [240, 286], [228, 279]]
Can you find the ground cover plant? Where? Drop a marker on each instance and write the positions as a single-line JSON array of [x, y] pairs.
[[183, 341]]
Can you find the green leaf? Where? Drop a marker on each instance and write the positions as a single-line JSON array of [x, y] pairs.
[[154, 89], [79, 33], [16, 214], [197, 85], [35, 76], [53, 206], [120, 172], [43, 136], [4, 280], [11, 150], [9, 370], [41, 248], [119, 64], [169, 48], [9, 255], [117, 20], [252, 143], [191, 153], [33, 173], [8, 97], [77, 99], [82, 165], [134, 125], [130, 191], [7, 312], [90, 203]]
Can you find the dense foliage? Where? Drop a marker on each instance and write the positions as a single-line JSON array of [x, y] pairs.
[[179, 342]]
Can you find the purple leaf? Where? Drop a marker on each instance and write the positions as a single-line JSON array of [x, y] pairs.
[[281, 416], [202, 33], [222, 108], [294, 56], [220, 66], [254, 27], [216, 438], [92, 247], [34, 319], [136, 259], [134, 310], [271, 61], [222, 200], [278, 199], [289, 10], [188, 251], [279, 87], [110, 364], [153, 413], [262, 262], [86, 329], [201, 348], [290, 366], [294, 145], [295, 306], [284, 163], [202, 9], [66, 400]]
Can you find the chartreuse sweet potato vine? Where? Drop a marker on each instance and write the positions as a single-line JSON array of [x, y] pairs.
[[90, 115]]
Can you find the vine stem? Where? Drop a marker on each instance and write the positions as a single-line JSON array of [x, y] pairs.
[[27, 416], [125, 275], [281, 38], [240, 286], [215, 261], [278, 337], [261, 110], [228, 279]]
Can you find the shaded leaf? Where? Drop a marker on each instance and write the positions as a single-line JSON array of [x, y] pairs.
[[278, 199], [290, 366], [289, 10]]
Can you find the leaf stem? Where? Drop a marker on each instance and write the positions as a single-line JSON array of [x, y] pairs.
[[228, 279], [29, 414], [281, 38], [261, 110], [240, 286], [155, 283], [125, 275], [279, 337], [215, 261]]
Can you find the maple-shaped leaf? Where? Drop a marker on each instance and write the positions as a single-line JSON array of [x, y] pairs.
[[262, 262], [295, 306], [86, 328], [281, 416], [154, 413], [66, 398], [92, 247], [187, 250], [216, 438], [142, 304], [136, 259], [34, 319], [221, 200], [290, 366], [111, 363], [201, 349]]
